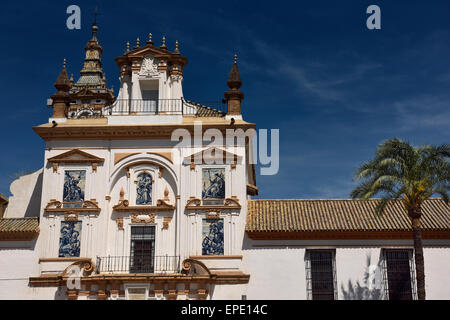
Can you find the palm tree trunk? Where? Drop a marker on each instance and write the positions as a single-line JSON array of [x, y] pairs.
[[418, 257]]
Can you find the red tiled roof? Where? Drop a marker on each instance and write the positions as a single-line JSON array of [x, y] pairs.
[[277, 216], [19, 228]]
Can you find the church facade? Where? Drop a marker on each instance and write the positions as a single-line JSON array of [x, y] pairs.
[[130, 204]]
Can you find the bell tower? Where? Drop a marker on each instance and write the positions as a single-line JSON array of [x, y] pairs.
[[234, 96]]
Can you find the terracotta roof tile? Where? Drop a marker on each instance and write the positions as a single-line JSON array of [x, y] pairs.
[[340, 215], [19, 225]]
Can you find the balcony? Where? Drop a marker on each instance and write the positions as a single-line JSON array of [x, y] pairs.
[[138, 264], [125, 107]]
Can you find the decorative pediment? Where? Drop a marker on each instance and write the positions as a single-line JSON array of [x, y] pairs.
[[161, 206], [75, 156], [212, 155], [229, 204], [68, 208]]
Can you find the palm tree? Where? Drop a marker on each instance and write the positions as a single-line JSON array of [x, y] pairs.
[[412, 174]]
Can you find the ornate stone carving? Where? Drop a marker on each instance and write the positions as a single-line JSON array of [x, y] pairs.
[[58, 206], [166, 222], [161, 205], [143, 218], [149, 67], [213, 214], [86, 265], [166, 194], [119, 222], [71, 216], [193, 267], [229, 203], [176, 77]]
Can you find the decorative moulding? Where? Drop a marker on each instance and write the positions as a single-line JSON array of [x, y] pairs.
[[75, 156], [71, 216], [58, 207], [212, 156], [166, 155], [166, 222], [229, 204], [119, 132], [252, 190], [119, 222], [213, 214], [161, 206], [118, 156], [143, 218]]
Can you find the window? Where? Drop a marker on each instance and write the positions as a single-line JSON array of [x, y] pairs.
[[144, 189], [212, 232], [320, 273], [69, 241], [399, 274], [74, 188], [142, 252]]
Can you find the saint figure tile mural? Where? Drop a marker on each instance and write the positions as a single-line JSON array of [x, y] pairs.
[[74, 186], [212, 231], [213, 183], [69, 241], [144, 189]]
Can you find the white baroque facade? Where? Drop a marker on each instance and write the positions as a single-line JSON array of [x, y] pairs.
[[121, 210]]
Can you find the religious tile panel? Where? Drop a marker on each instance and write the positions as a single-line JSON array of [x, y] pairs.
[[144, 189], [74, 187], [69, 241], [213, 183], [212, 232]]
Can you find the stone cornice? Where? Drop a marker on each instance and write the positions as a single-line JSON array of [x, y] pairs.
[[55, 206], [125, 132], [348, 235], [161, 206], [229, 204]]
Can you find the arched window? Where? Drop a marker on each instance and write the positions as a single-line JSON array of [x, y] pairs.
[[144, 189]]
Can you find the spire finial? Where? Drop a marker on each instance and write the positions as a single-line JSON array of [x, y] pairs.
[[163, 46], [176, 51], [234, 80], [150, 41], [138, 42], [62, 82], [128, 46], [235, 58], [94, 24]]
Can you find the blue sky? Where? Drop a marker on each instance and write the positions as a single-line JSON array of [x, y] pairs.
[[309, 68]]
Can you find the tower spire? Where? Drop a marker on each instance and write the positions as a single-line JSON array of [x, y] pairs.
[[91, 86], [62, 84], [234, 96]]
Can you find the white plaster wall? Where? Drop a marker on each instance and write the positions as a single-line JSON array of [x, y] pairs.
[[437, 273], [26, 196], [351, 264], [275, 273], [227, 292], [277, 269], [17, 265]]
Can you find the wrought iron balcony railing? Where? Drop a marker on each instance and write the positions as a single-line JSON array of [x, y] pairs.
[[159, 106], [122, 107], [138, 264]]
